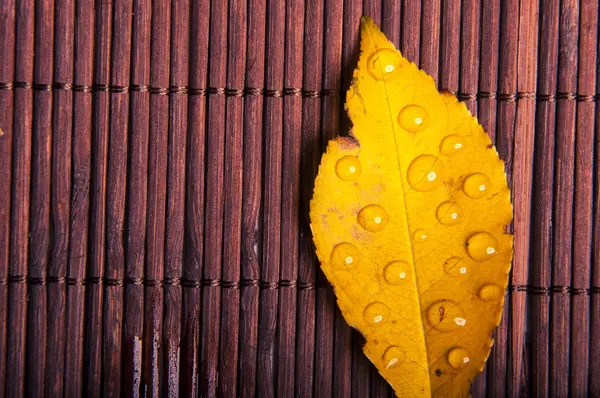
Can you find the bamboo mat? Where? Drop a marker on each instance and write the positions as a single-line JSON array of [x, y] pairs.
[[156, 164]]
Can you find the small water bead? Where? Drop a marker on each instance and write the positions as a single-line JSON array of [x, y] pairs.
[[348, 168], [443, 316], [481, 246], [490, 292], [452, 144], [373, 218], [420, 235], [458, 358], [376, 313], [476, 185], [425, 173], [397, 273], [345, 256], [413, 118], [455, 266], [385, 65], [449, 213], [393, 357]]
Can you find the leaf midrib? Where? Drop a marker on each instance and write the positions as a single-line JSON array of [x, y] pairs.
[[412, 252]]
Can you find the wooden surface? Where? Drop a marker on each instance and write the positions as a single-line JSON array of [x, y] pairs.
[[157, 161]]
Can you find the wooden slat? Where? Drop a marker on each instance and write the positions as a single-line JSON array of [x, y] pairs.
[[583, 199], [594, 382], [542, 230], [116, 188], [62, 126], [194, 207], [157, 196], [233, 176], [7, 73], [290, 193], [430, 38], [563, 197], [213, 217], [411, 30], [137, 193], [450, 45], [174, 238], [97, 243], [252, 233], [20, 201], [273, 131], [39, 222], [80, 199]]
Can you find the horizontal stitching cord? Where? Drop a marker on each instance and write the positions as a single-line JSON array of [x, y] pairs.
[[244, 283], [180, 90], [286, 92]]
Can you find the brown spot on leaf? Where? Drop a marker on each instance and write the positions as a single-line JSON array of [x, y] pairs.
[[442, 312], [438, 372], [349, 143]]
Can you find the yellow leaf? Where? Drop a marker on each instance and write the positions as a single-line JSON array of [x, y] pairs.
[[408, 218]]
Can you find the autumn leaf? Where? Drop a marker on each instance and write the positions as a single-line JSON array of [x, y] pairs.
[[408, 218]]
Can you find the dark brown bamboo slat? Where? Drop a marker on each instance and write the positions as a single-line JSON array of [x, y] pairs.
[[213, 218], [507, 83], [273, 125], [594, 382], [234, 158], [137, 193], [488, 65], [391, 23], [411, 30], [39, 222], [100, 136], [344, 382], [450, 45], [252, 194], [62, 126], [174, 238], [563, 196], [325, 348], [7, 73], [116, 184], [430, 38], [290, 193], [157, 187], [542, 237], [194, 207], [309, 161], [583, 199], [361, 370], [522, 186], [80, 199], [469, 52]]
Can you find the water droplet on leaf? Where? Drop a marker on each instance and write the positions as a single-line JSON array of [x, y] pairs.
[[425, 173]]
